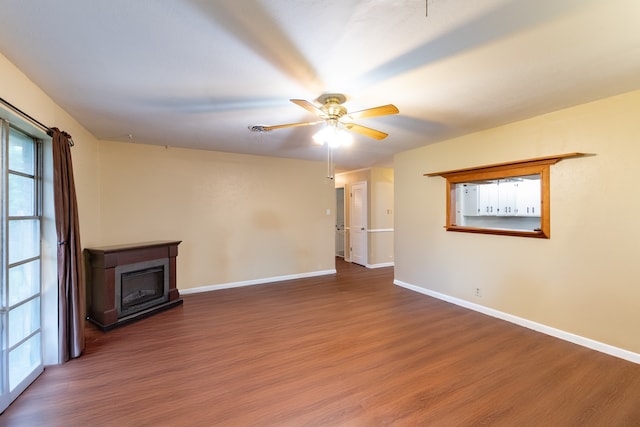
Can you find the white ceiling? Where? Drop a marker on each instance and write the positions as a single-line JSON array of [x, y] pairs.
[[196, 73]]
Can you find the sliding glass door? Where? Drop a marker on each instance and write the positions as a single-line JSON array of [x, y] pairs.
[[20, 260]]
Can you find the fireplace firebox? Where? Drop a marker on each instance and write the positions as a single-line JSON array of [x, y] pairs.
[[129, 282], [141, 285]]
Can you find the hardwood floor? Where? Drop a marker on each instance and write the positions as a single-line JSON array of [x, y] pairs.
[[349, 349]]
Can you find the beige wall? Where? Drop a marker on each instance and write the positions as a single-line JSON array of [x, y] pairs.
[[584, 280], [239, 217], [380, 207]]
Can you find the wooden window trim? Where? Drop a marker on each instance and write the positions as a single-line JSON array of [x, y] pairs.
[[536, 166]]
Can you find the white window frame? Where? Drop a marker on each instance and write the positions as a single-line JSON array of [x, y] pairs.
[[8, 394]]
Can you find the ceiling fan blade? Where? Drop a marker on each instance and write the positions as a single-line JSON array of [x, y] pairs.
[[371, 133], [265, 128], [309, 107], [382, 110]]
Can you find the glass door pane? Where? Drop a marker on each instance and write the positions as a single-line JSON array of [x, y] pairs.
[[24, 195], [22, 151], [24, 239], [24, 361], [24, 321], [24, 282]]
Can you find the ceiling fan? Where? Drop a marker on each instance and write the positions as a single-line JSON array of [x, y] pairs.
[[335, 116]]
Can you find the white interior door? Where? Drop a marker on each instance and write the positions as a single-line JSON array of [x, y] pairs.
[[340, 222], [358, 223]]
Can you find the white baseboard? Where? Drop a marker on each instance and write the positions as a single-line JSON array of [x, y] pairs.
[[380, 265], [254, 282], [548, 330]]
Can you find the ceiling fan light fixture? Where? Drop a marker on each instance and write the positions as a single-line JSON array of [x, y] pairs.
[[333, 136], [319, 137], [343, 138]]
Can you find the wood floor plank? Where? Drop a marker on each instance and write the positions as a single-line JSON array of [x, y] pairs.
[[349, 349]]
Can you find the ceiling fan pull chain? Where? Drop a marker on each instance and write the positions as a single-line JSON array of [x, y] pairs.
[[329, 161]]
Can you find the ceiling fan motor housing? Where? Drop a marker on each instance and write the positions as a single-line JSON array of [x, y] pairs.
[[334, 98], [331, 105]]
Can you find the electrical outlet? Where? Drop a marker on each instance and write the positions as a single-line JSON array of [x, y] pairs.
[[478, 292]]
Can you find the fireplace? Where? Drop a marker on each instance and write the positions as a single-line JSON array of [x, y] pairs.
[[129, 282]]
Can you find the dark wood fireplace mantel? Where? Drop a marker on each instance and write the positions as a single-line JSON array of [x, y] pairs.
[[101, 279]]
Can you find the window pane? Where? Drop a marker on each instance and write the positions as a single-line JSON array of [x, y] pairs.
[[24, 281], [21, 153], [511, 203], [24, 320], [24, 239], [21, 196], [23, 360]]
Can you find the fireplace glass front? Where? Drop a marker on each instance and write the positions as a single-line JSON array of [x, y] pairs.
[[141, 285]]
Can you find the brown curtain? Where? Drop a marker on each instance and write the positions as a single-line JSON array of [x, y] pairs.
[[71, 291]]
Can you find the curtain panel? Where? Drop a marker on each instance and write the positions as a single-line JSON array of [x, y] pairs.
[[71, 289]]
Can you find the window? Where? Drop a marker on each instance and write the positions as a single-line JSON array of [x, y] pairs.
[[20, 297], [508, 198]]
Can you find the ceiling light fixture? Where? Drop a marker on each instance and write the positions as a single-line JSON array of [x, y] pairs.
[[333, 135]]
